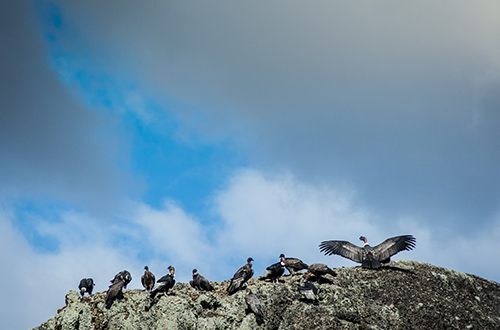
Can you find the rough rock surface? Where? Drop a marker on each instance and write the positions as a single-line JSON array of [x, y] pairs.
[[404, 295]]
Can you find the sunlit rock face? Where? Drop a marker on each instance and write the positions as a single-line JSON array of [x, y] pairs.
[[403, 295]]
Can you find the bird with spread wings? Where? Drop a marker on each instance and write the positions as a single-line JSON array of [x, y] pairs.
[[369, 257]]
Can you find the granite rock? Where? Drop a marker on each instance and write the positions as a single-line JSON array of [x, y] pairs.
[[403, 295]]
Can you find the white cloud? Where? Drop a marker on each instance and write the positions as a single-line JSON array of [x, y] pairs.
[[177, 236], [39, 282], [260, 216], [281, 215]]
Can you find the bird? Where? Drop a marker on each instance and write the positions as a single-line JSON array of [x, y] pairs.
[[241, 277], [114, 292], [124, 276], [319, 270], [118, 283], [309, 291], [165, 283], [86, 285], [369, 257], [199, 282], [294, 264], [275, 271], [255, 306], [148, 279]]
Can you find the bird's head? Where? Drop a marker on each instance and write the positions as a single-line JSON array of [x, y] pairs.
[[249, 260], [171, 270], [146, 267], [362, 238], [195, 271]]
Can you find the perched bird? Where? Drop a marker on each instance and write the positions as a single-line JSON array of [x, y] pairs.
[[124, 276], [86, 285], [294, 264], [148, 279], [117, 284], [309, 291], [199, 282], [114, 292], [165, 283], [241, 277], [275, 271], [255, 306], [319, 270], [369, 257]]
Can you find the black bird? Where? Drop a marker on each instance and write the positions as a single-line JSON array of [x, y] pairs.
[[124, 276], [369, 257], [294, 264], [241, 277], [114, 292], [117, 284], [148, 279], [199, 282], [319, 270], [255, 306], [86, 285], [309, 291], [275, 271], [165, 283]]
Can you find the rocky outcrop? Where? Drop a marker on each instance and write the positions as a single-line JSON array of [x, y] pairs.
[[404, 295]]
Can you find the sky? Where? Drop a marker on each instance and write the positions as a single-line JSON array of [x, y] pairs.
[[197, 134]]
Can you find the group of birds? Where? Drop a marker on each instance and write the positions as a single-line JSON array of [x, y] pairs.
[[367, 256]]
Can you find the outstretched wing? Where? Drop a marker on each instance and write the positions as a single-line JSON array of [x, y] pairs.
[[342, 248], [393, 245]]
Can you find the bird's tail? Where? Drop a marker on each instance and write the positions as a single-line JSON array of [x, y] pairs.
[[332, 272], [153, 293], [371, 263]]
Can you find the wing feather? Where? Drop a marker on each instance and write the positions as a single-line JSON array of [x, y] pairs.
[[393, 245], [342, 248]]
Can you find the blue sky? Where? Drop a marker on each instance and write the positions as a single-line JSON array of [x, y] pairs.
[[197, 134]]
